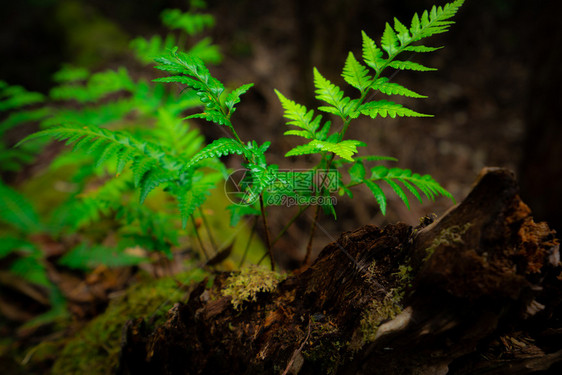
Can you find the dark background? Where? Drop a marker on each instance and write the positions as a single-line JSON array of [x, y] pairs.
[[495, 97]]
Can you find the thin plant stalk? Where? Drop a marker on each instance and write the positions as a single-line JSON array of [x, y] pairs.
[[254, 226], [199, 238], [208, 229], [267, 236]]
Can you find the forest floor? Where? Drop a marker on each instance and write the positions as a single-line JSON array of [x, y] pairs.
[[478, 96]]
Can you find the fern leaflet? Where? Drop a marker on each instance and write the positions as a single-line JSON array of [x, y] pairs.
[[372, 55], [233, 98], [344, 149], [384, 107], [331, 94], [356, 74], [389, 88], [191, 199], [17, 211], [409, 65], [218, 148], [378, 194]]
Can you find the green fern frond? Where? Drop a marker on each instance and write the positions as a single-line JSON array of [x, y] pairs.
[[151, 180], [233, 98], [98, 86], [10, 245], [409, 65], [191, 199], [426, 184], [299, 133], [389, 41], [175, 135], [300, 116], [84, 257], [328, 92], [372, 55], [92, 137], [152, 166], [206, 51], [146, 50], [356, 74], [212, 116], [89, 207], [302, 150], [184, 80], [344, 149], [339, 163], [191, 23], [399, 191], [220, 147], [402, 32], [193, 66], [378, 194], [100, 115], [384, 107], [32, 269], [17, 211], [208, 89], [16, 97], [390, 88], [435, 21], [70, 73], [24, 116], [421, 49], [357, 172], [140, 167]]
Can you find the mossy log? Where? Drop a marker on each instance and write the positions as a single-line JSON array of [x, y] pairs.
[[476, 292]]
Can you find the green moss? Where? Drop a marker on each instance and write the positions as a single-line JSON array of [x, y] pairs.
[[326, 349], [450, 236], [375, 315], [248, 283], [404, 278], [95, 349]]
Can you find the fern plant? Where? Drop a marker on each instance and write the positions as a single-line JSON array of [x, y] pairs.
[[365, 77], [129, 140], [186, 24], [149, 152], [21, 106]]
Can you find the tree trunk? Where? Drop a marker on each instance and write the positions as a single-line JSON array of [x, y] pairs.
[[476, 292]]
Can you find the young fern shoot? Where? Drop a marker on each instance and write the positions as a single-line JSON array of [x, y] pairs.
[[366, 77]]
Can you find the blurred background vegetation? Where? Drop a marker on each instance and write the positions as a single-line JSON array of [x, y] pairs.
[[499, 67], [495, 100]]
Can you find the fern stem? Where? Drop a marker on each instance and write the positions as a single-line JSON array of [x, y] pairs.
[[311, 236], [302, 209], [267, 236], [254, 226], [208, 229], [199, 238], [317, 209], [236, 135]]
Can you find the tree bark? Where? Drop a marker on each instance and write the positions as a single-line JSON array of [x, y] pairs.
[[476, 292]]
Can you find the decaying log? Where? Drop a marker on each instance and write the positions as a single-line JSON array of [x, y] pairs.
[[476, 292]]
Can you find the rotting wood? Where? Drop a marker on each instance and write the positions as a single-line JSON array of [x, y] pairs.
[[477, 291]]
